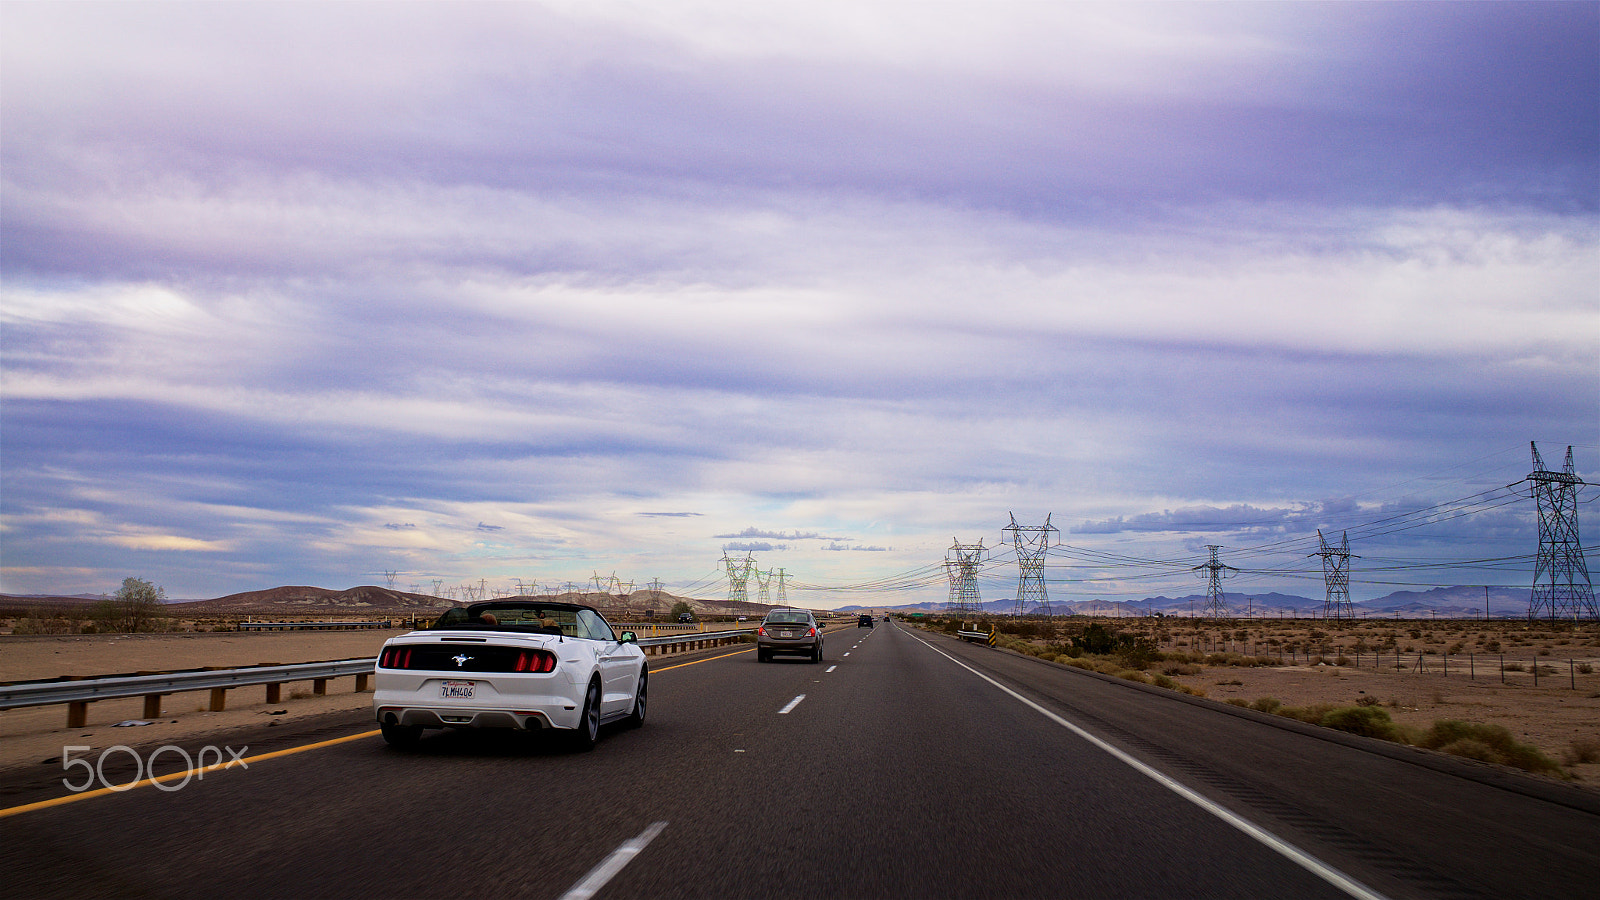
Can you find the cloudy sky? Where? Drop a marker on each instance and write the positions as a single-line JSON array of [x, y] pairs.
[[306, 294]]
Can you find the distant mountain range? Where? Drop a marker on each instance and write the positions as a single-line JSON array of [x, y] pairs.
[[369, 599], [1461, 601]]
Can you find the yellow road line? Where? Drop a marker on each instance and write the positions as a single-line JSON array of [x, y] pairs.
[[177, 776], [707, 659]]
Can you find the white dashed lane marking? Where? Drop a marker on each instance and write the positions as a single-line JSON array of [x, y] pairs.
[[792, 704]]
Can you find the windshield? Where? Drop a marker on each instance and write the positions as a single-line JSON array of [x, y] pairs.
[[532, 617], [789, 618]]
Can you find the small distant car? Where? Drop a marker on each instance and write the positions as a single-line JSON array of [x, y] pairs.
[[864, 622], [685, 617], [791, 632], [525, 665]]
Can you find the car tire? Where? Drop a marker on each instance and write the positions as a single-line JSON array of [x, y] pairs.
[[587, 734], [401, 736], [816, 655], [641, 697], [763, 656]]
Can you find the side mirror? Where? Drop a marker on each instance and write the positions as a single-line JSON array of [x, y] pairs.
[[628, 637]]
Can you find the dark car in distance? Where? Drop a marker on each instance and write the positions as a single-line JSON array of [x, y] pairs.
[[864, 622], [789, 631]]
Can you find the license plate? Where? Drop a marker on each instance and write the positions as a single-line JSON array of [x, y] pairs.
[[457, 690], [788, 634]]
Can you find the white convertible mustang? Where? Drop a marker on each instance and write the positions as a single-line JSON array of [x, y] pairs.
[[518, 663]]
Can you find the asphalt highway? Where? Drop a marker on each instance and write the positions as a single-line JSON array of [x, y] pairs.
[[905, 765]]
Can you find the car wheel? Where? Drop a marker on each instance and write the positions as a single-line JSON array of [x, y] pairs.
[[816, 655], [402, 736], [588, 730], [640, 701], [761, 656]]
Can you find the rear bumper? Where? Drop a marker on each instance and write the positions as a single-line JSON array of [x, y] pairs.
[[805, 648]]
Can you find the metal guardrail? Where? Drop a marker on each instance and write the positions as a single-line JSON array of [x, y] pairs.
[[293, 626], [79, 693], [698, 639], [988, 637]]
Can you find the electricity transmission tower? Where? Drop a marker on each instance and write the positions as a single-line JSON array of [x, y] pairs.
[[763, 586], [1560, 576], [738, 578], [1336, 575], [961, 567], [1031, 542], [1215, 571], [391, 576], [783, 591]]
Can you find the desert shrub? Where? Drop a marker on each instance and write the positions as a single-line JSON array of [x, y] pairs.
[[1582, 750], [1266, 704], [1369, 721], [1585, 669], [1544, 651], [1514, 667], [1162, 681], [1341, 660], [1474, 739], [1368, 700], [42, 623], [1311, 715], [1181, 669], [1237, 701]]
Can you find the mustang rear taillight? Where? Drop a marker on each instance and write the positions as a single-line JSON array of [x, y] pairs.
[[395, 658], [534, 661]]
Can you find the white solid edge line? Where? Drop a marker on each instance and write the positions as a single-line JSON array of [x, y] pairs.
[[830, 669], [1294, 854], [792, 704], [611, 865]]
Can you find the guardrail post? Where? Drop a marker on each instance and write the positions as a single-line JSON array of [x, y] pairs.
[[219, 699], [319, 686], [362, 682], [152, 706], [274, 693], [77, 714]]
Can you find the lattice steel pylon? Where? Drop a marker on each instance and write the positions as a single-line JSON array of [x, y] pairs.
[[1215, 571], [1336, 575], [1560, 576], [1030, 542], [783, 590], [961, 565], [738, 578], [763, 586]]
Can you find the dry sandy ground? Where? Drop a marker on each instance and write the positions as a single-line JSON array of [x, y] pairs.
[[1551, 716]]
